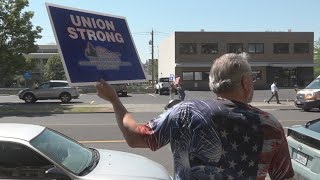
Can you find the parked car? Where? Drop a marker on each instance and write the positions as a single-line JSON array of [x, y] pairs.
[[36, 152], [304, 147], [53, 89], [163, 86], [309, 97], [121, 89]]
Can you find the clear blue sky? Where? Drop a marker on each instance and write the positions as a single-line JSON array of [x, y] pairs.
[[167, 16]]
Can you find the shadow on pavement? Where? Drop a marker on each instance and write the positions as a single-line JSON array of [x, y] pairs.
[[37, 109]]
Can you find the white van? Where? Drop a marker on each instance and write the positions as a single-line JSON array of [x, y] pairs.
[[309, 97]]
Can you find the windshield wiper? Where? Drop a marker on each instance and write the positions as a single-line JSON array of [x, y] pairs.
[[93, 163]]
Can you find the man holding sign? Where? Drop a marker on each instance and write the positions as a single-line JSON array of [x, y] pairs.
[[223, 138]]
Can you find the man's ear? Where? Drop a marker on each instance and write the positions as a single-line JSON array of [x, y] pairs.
[[245, 83]]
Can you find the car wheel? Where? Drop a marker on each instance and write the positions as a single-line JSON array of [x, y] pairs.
[[65, 97], [29, 98], [307, 110]]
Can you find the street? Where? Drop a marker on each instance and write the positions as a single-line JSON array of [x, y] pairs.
[[100, 130]]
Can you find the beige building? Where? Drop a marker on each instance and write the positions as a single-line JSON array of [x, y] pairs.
[[42, 55], [286, 57]]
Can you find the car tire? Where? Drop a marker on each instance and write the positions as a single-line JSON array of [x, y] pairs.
[[29, 98], [65, 97], [307, 110]]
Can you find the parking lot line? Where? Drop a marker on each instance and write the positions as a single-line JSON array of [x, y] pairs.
[[152, 95], [102, 141]]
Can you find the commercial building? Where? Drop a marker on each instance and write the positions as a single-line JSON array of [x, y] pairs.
[[286, 57], [42, 55]]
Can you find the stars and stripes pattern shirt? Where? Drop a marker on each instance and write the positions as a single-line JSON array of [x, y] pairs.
[[221, 139]]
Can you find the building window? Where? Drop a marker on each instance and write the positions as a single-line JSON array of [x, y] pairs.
[[301, 48], [256, 48], [257, 74], [209, 48], [188, 48], [205, 75], [187, 76], [281, 48], [197, 76], [235, 48]]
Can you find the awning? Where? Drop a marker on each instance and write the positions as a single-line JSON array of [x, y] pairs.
[[191, 65], [253, 64]]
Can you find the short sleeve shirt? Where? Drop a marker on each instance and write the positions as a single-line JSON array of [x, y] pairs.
[[221, 139]]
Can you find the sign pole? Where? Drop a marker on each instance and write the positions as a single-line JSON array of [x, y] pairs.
[[152, 60]]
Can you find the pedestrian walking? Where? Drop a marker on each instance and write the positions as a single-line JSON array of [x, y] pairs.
[[173, 91], [181, 92], [274, 91], [296, 88], [222, 138]]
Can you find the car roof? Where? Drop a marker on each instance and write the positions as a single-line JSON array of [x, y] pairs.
[[20, 131], [58, 81]]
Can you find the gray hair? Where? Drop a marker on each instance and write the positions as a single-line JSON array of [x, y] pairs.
[[227, 71]]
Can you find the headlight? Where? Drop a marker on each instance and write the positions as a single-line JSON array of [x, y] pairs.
[[311, 96]]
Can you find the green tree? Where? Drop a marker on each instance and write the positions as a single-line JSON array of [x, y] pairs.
[[17, 37], [317, 58], [54, 69]]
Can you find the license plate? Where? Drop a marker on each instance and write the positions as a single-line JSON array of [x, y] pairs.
[[302, 158]]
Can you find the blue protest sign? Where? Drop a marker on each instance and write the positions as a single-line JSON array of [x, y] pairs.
[[95, 45], [27, 75]]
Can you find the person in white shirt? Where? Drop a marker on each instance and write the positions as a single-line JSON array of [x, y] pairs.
[[274, 91]]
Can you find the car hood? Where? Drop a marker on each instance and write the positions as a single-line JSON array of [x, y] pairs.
[[120, 165], [304, 91]]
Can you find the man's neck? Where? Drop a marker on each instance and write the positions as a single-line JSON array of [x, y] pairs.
[[233, 97]]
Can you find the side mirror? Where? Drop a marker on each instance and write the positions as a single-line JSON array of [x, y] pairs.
[[172, 103]]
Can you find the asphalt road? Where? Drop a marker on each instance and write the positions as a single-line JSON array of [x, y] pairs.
[[259, 96], [101, 131]]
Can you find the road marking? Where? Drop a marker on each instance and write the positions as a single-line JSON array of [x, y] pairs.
[[152, 95], [103, 141]]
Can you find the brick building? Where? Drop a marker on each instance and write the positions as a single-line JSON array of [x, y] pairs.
[[286, 57]]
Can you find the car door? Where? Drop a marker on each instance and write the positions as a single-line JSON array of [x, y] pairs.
[[43, 90], [20, 162]]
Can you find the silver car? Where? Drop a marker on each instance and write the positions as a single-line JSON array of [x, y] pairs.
[[304, 147], [35, 152], [53, 89]]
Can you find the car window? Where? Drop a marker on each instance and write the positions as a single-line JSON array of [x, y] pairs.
[[164, 79], [314, 125], [315, 84], [59, 84], [45, 85], [18, 161], [63, 150]]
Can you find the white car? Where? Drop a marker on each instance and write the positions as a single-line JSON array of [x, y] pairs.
[[36, 152]]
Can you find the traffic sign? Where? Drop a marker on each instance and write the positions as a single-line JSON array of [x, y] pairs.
[[27, 75]]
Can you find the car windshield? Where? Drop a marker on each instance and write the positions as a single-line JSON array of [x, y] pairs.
[[164, 79], [314, 125], [315, 84], [64, 151]]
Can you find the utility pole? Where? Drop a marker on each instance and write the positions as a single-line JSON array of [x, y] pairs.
[[152, 61]]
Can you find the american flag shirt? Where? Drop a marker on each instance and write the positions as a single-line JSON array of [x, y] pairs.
[[221, 139]]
